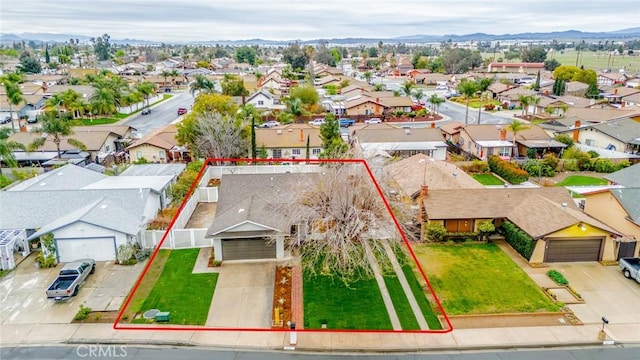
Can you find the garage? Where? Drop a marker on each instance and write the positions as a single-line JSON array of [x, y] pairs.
[[244, 249], [564, 250], [99, 249]]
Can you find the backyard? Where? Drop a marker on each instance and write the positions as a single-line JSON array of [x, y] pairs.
[[581, 180], [487, 179], [177, 290], [479, 279]]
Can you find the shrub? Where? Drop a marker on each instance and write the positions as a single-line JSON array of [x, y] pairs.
[[508, 171], [518, 239], [531, 153], [489, 107], [538, 168], [593, 154], [621, 165], [582, 160], [557, 276], [83, 313], [551, 160], [436, 231], [141, 161], [603, 166], [565, 139]]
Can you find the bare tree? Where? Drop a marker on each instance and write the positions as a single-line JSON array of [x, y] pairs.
[[219, 136], [337, 213]]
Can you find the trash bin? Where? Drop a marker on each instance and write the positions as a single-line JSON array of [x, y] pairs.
[[163, 316]]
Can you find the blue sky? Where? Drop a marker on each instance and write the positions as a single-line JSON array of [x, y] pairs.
[[193, 20]]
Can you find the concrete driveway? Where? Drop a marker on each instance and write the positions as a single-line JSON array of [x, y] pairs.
[[605, 290], [243, 295], [24, 301]]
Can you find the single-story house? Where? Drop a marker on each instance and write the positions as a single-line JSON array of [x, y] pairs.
[[159, 146], [559, 230], [264, 100], [620, 209], [364, 105], [247, 224], [627, 177], [289, 141], [397, 141], [618, 135], [527, 68], [86, 222]]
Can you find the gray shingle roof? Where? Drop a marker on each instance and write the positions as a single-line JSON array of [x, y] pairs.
[[627, 177], [625, 130], [34, 209], [629, 198], [68, 177]]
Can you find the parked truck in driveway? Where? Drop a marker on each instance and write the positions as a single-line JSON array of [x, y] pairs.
[[71, 277], [630, 267]]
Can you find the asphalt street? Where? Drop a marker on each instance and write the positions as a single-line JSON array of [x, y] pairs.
[[89, 351], [162, 114]]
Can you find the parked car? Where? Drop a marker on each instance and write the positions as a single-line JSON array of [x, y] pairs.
[[450, 94], [5, 120], [270, 124], [346, 122], [71, 277], [373, 121], [317, 122], [32, 119], [145, 111], [630, 267], [182, 111]]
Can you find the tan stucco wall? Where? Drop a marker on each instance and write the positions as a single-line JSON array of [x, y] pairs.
[[149, 152], [362, 109], [604, 207]]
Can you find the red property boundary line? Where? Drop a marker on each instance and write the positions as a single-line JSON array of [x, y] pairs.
[[213, 161]]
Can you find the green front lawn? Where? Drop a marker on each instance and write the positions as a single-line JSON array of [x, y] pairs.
[[358, 306], [186, 295], [581, 180], [487, 179], [479, 279]]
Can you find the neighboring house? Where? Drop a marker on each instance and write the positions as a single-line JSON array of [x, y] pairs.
[[620, 209], [575, 88], [326, 80], [527, 68], [85, 222], [264, 100], [174, 170], [397, 103], [351, 90], [46, 80], [631, 100], [410, 174], [397, 141], [247, 224], [364, 105], [290, 141], [618, 135], [159, 146], [431, 78], [610, 79], [594, 115], [451, 131], [101, 141], [498, 88], [627, 177], [512, 96], [560, 231]]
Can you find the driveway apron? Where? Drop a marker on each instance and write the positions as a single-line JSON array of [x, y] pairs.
[[243, 296]]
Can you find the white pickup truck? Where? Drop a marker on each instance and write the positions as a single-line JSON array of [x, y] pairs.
[[630, 267], [71, 277]]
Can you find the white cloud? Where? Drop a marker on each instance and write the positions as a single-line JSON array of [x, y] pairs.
[[191, 20]]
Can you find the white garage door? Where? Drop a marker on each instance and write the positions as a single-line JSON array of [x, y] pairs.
[[99, 249]]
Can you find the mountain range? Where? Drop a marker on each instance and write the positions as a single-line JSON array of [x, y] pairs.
[[569, 35]]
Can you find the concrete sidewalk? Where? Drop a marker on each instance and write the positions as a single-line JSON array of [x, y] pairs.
[[464, 339]]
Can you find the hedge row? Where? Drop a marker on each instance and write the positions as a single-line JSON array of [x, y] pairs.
[[518, 239], [508, 171]]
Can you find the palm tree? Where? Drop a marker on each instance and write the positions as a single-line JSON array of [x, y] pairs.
[[467, 88], [515, 127], [525, 101], [165, 74], [483, 86], [146, 89], [295, 107], [7, 148], [534, 100], [406, 88], [367, 76], [174, 74], [57, 129], [436, 100], [201, 84], [14, 96], [418, 94], [104, 101], [378, 87]]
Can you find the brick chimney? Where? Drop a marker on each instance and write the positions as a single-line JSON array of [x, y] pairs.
[[503, 134], [433, 125], [301, 135], [424, 191], [576, 132]]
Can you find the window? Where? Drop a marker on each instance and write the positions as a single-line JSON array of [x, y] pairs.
[[315, 151], [276, 153], [106, 148], [505, 151], [295, 151], [260, 102], [590, 142], [161, 154]]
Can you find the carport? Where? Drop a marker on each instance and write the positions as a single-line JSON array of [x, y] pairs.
[[12, 241]]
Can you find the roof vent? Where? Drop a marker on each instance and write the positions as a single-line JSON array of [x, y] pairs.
[[407, 131], [564, 205], [279, 132]]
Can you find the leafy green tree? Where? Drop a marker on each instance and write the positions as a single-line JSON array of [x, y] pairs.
[[56, 129], [306, 93], [104, 101], [233, 85], [246, 54], [592, 91], [332, 145], [13, 92], [188, 128], [485, 228], [566, 72], [102, 47], [467, 88], [29, 64], [436, 100], [483, 85], [533, 54], [7, 148], [147, 89], [295, 106], [459, 61], [536, 85], [296, 56], [551, 64]]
